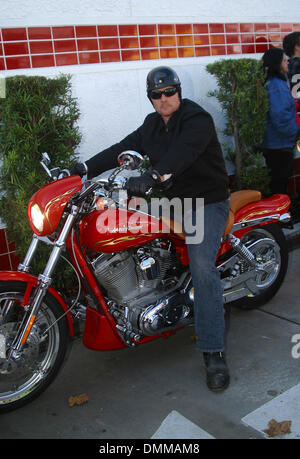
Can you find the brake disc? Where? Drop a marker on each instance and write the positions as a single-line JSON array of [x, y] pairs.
[[19, 363]]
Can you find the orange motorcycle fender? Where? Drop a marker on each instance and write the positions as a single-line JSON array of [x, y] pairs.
[[32, 281]]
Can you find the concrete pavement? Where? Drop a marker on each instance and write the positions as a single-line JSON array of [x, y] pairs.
[[158, 390]]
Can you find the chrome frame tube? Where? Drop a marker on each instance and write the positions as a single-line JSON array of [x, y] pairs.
[[257, 221]]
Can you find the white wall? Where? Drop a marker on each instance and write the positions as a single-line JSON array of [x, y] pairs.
[[112, 97], [44, 12]]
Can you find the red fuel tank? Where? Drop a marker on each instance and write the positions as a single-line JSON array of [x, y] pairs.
[[114, 230]]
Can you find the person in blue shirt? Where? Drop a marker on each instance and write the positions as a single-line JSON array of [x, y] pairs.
[[281, 131]]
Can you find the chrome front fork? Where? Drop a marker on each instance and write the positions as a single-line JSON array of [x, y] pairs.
[[25, 266], [44, 280]]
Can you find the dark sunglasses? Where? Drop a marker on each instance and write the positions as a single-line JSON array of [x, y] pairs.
[[169, 92]]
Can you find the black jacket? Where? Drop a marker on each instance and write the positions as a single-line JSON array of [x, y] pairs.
[[186, 147]]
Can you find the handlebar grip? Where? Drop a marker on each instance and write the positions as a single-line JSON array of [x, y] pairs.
[[86, 192], [64, 173]]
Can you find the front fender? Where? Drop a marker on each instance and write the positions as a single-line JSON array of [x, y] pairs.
[[33, 280]]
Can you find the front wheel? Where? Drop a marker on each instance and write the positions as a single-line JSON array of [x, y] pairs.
[[275, 255], [28, 373]]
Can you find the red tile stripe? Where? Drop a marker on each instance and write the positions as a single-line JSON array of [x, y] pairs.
[[8, 258], [31, 47]]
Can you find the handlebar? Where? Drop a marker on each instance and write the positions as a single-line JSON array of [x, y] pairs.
[[112, 183]]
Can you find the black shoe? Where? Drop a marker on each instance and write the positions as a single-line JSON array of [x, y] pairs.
[[217, 373]]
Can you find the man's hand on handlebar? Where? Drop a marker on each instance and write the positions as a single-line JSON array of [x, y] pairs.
[[79, 169], [139, 186]]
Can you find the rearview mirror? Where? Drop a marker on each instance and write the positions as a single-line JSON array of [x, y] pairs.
[[45, 163], [130, 159]]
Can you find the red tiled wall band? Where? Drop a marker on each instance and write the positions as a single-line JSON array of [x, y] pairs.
[[31, 47]]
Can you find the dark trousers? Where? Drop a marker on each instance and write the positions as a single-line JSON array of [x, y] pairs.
[[280, 163]]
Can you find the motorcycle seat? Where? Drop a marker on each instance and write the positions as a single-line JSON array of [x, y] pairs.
[[238, 199]]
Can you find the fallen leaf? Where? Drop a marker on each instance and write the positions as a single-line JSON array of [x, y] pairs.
[[78, 399], [278, 428]]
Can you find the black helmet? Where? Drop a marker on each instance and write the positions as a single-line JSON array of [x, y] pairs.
[[160, 77]]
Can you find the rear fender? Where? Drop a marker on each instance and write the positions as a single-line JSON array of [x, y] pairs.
[[32, 282], [278, 204], [256, 214]]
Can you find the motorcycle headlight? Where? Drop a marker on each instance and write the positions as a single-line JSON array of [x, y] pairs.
[[37, 217]]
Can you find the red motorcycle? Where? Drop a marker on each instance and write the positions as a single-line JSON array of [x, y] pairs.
[[134, 283]]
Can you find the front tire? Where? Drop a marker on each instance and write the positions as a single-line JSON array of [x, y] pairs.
[[25, 376], [268, 287]]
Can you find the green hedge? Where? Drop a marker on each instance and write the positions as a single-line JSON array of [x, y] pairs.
[[37, 115], [244, 102]]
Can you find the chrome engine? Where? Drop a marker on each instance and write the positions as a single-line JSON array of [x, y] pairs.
[[146, 288]]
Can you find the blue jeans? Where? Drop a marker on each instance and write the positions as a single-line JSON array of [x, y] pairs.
[[208, 298]]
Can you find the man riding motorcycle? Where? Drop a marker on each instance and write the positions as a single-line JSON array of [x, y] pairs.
[[185, 155]]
